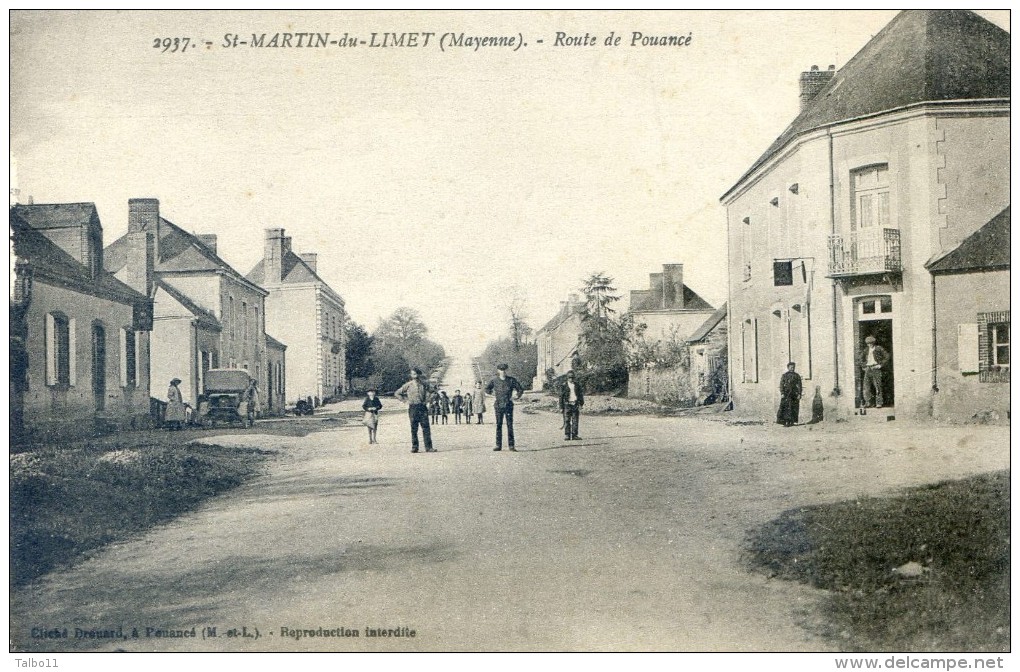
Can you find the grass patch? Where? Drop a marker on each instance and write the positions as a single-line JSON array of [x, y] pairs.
[[957, 532], [65, 502]]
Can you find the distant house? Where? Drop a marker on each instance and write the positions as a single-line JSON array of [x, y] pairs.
[[307, 315], [894, 160], [557, 340], [207, 315], [79, 336], [667, 316], [972, 348], [275, 394]]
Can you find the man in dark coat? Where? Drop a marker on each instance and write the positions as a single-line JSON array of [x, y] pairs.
[[871, 359], [571, 401], [502, 389], [791, 388]]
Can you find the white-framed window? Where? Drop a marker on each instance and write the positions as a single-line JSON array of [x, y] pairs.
[[61, 349], [993, 346], [870, 203]]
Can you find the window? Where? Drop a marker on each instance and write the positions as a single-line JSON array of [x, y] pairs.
[[128, 358], [230, 315], [993, 346], [748, 248], [749, 341], [870, 203], [1000, 344], [244, 318], [60, 350]]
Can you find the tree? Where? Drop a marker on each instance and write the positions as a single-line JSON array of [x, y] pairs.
[[602, 351], [359, 352], [520, 330], [404, 328]]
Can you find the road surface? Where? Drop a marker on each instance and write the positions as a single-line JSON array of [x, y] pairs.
[[627, 540]]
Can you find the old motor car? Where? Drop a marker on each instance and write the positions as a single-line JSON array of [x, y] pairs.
[[224, 398]]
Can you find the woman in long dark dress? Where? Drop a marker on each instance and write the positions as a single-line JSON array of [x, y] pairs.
[[791, 388]]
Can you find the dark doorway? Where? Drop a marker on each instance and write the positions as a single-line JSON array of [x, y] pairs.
[[882, 330], [99, 366]]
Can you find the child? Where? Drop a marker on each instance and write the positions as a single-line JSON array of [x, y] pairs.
[[467, 408], [444, 406], [458, 406], [371, 406]]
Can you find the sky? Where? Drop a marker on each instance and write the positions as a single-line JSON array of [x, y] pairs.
[[448, 180]]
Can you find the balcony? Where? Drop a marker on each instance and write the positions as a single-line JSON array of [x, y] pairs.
[[867, 252]]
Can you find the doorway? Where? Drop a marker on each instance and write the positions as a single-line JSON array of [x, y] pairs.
[[875, 318], [99, 366]]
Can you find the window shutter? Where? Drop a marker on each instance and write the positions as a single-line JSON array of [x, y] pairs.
[[968, 351], [123, 357], [51, 350], [138, 360], [72, 353]]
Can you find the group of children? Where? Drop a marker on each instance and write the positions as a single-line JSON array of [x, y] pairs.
[[439, 404]]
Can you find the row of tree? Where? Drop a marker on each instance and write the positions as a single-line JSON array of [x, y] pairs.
[[382, 359]]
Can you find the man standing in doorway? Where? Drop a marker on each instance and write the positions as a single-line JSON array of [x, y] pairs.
[[502, 388], [571, 401], [872, 359], [416, 393]]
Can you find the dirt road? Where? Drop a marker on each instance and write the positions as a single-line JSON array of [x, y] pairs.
[[627, 540]]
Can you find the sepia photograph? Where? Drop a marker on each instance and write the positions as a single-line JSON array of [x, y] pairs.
[[510, 331]]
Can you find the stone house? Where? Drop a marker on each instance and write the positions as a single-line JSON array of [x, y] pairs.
[[557, 341], [79, 336], [894, 160], [306, 314], [275, 394], [666, 316], [970, 284], [206, 314]]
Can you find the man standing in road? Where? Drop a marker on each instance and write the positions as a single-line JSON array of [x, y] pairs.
[[416, 393], [571, 401], [872, 359], [502, 388]]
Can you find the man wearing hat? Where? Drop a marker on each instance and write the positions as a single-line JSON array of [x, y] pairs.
[[416, 393], [502, 388], [571, 401], [872, 358]]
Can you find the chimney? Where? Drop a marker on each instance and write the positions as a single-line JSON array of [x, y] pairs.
[[812, 82], [140, 261], [310, 259], [273, 256], [143, 215], [209, 240], [673, 285], [655, 288]]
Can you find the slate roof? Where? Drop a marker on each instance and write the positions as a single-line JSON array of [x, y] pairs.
[[57, 215], [179, 251], [203, 316], [691, 302], [920, 56], [714, 319], [562, 316], [273, 343], [50, 263], [985, 249], [295, 271]]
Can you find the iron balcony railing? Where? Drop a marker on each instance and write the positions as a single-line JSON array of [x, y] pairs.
[[865, 252]]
